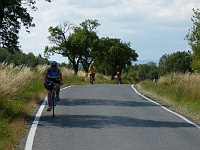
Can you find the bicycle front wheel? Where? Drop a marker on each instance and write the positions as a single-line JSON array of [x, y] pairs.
[[53, 102]]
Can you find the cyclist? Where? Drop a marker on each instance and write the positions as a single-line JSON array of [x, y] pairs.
[[53, 73], [118, 75], [91, 71]]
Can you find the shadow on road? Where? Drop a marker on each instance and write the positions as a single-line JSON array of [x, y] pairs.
[[98, 121], [99, 102]]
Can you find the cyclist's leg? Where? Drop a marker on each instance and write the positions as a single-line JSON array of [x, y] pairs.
[[49, 100], [90, 78], [57, 88]]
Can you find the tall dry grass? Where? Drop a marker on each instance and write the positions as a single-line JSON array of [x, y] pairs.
[[13, 79], [186, 85]]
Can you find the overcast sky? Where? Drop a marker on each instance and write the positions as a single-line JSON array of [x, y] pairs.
[[153, 27]]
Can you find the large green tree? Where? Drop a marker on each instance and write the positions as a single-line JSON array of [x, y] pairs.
[[59, 36], [193, 38], [77, 43], [114, 55], [87, 39], [14, 14]]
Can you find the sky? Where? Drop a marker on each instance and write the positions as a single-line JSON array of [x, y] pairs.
[[153, 27]]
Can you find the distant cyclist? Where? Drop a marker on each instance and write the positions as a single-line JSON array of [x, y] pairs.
[[119, 78], [54, 74], [91, 71]]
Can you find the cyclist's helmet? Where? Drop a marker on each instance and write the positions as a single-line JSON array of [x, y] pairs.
[[54, 64]]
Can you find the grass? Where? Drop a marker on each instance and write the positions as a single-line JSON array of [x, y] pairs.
[[179, 92], [20, 90]]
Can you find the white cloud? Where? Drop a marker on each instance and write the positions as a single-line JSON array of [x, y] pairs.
[[153, 27]]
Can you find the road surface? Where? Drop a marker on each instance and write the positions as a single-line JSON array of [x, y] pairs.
[[110, 117]]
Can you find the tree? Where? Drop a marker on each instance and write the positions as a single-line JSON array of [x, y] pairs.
[[193, 38], [86, 39], [175, 62], [152, 71], [78, 46], [114, 56], [59, 37], [13, 14]]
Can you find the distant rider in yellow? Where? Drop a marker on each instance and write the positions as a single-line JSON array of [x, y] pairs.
[[91, 71]]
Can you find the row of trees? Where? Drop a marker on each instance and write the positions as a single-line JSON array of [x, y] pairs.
[[175, 62], [168, 63], [81, 45], [19, 58]]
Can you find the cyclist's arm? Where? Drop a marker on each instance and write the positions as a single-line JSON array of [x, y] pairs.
[[46, 76], [61, 79]]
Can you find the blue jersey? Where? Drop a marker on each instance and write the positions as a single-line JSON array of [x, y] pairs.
[[53, 74]]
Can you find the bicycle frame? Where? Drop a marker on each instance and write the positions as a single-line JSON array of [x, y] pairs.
[[53, 98]]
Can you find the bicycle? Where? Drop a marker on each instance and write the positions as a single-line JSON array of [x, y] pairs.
[[91, 78], [53, 97]]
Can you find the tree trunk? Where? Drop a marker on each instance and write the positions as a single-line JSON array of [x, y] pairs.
[[75, 67]]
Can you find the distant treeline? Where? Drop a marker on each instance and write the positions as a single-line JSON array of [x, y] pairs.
[[179, 62], [176, 62], [20, 58]]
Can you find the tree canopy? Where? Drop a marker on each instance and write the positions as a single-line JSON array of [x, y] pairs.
[[14, 14], [114, 55], [193, 38], [82, 45], [76, 43]]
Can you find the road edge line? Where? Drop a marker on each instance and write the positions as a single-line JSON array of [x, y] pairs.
[[31, 134], [180, 116]]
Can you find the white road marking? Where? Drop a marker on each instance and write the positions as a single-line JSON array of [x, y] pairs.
[[31, 135], [182, 117]]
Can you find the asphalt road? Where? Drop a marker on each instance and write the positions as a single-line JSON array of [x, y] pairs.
[[111, 117]]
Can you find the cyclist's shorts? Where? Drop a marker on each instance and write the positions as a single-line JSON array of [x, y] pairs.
[[92, 74], [49, 86], [54, 80]]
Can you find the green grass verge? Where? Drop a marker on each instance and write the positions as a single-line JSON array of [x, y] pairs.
[[167, 95], [16, 108]]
